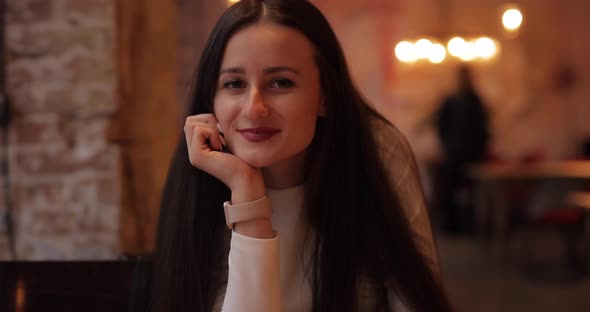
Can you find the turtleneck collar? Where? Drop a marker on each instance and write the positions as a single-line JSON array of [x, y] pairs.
[[287, 202]]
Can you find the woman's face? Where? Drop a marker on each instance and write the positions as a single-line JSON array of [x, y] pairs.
[[268, 95]]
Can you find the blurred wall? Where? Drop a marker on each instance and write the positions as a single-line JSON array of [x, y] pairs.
[[195, 21], [95, 118], [63, 170], [98, 90], [529, 113]]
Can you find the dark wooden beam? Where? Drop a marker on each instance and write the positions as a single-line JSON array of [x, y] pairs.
[[149, 117]]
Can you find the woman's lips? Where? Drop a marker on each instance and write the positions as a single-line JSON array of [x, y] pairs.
[[258, 134]]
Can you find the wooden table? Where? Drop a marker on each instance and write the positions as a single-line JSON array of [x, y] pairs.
[[492, 179], [575, 169], [580, 199]]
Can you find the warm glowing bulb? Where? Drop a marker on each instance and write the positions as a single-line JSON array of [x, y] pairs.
[[423, 47], [456, 46], [437, 53], [512, 19], [468, 52], [406, 52], [485, 47], [230, 2]]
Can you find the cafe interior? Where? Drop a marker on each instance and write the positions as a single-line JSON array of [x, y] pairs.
[[492, 96]]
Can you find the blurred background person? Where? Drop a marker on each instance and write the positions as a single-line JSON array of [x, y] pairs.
[[462, 126]]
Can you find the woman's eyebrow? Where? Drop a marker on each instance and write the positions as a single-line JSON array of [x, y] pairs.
[[275, 69], [232, 70], [268, 70]]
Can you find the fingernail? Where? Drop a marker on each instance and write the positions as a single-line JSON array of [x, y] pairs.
[[219, 128]]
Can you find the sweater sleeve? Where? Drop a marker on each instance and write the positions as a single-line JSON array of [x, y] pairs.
[[398, 159], [412, 199], [253, 275]]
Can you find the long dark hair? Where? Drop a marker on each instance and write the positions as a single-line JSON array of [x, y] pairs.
[[360, 232]]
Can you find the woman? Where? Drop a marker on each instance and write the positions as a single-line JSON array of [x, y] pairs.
[[276, 123]]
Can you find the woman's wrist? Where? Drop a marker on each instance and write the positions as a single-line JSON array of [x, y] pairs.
[[247, 188], [256, 228]]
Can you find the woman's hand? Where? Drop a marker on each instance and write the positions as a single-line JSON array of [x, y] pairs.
[[205, 145]]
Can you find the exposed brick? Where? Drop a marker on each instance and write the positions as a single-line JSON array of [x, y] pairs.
[[26, 11], [83, 195], [62, 75], [19, 73], [22, 99], [61, 97], [75, 81], [29, 163], [67, 208], [98, 220], [95, 247], [86, 65], [36, 40], [87, 138], [57, 37], [45, 247], [41, 197], [72, 247], [44, 69], [53, 223], [36, 129], [76, 10]]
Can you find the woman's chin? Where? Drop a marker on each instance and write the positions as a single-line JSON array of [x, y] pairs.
[[256, 161]]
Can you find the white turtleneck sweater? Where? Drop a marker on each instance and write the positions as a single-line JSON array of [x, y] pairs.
[[267, 275]]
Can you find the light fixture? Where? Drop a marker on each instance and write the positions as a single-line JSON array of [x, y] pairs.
[[512, 19], [485, 48], [437, 53], [423, 47], [467, 50], [456, 46], [406, 52]]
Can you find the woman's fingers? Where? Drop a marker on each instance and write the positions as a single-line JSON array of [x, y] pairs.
[[202, 136], [210, 136], [203, 123], [200, 146], [206, 118], [203, 140], [203, 144], [210, 121]]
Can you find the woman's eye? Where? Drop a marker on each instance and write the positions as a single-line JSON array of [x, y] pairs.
[[234, 84], [282, 83]]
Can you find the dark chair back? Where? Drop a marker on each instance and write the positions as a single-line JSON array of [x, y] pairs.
[[66, 286]]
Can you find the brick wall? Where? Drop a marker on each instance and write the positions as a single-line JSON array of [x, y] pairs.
[[64, 173]]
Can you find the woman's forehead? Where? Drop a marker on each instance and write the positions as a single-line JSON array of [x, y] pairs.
[[266, 44]]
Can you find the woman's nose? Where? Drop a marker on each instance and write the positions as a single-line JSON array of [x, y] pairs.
[[255, 107]]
